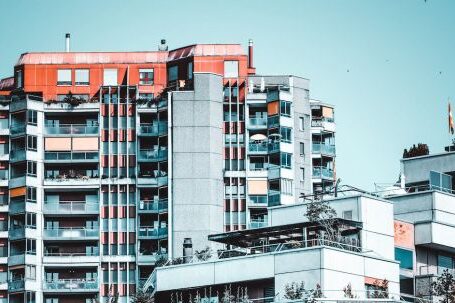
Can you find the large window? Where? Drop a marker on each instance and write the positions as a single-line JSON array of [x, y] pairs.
[[146, 76], [444, 262], [231, 69], [64, 77], [32, 142], [31, 168], [286, 134], [32, 117], [440, 181], [301, 123], [285, 108], [286, 160], [172, 73], [405, 257], [110, 77], [82, 77]]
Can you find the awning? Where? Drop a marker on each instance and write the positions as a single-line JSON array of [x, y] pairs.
[[276, 234]]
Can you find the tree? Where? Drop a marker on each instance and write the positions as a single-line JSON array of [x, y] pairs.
[[420, 150], [142, 297], [204, 254], [348, 291], [294, 291], [322, 213], [444, 287], [381, 289], [314, 294]]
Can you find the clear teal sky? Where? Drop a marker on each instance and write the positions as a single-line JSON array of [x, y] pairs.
[[400, 55]]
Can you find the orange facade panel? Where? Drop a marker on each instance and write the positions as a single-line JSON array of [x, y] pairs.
[[17, 192], [86, 144], [273, 108]]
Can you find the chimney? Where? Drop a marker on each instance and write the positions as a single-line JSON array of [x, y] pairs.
[[187, 250], [250, 53], [67, 42], [163, 45]]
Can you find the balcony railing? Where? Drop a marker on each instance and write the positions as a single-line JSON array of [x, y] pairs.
[[69, 207], [258, 200], [153, 154], [71, 284], [73, 254], [152, 232], [153, 129], [71, 156], [258, 223], [71, 233], [17, 155], [258, 147], [258, 122], [17, 128], [325, 149], [318, 121], [320, 172], [16, 284], [258, 166], [153, 206], [274, 197], [4, 174], [71, 129]]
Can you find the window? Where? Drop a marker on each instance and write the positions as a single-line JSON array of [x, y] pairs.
[[110, 77], [302, 148], [286, 160], [31, 298], [32, 117], [190, 70], [286, 134], [301, 123], [51, 300], [285, 108], [30, 272], [286, 187], [32, 142], [19, 83], [64, 77], [148, 96], [347, 215], [30, 220], [146, 76], [31, 168], [172, 73], [444, 262], [31, 194], [82, 77], [405, 257], [31, 246], [302, 174], [231, 69]]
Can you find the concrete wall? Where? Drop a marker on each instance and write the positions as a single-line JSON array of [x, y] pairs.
[[332, 268], [418, 169], [197, 163]]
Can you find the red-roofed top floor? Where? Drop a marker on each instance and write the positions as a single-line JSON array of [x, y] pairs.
[[39, 72]]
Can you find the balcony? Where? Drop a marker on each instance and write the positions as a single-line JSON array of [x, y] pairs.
[[320, 172], [323, 123], [17, 155], [261, 201], [72, 177], [71, 129], [257, 122], [71, 257], [258, 148], [274, 198], [153, 206], [150, 232], [71, 156], [153, 129], [17, 129], [71, 233], [16, 285], [71, 285], [324, 149], [153, 154], [258, 223], [22, 258], [71, 207], [153, 178]]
